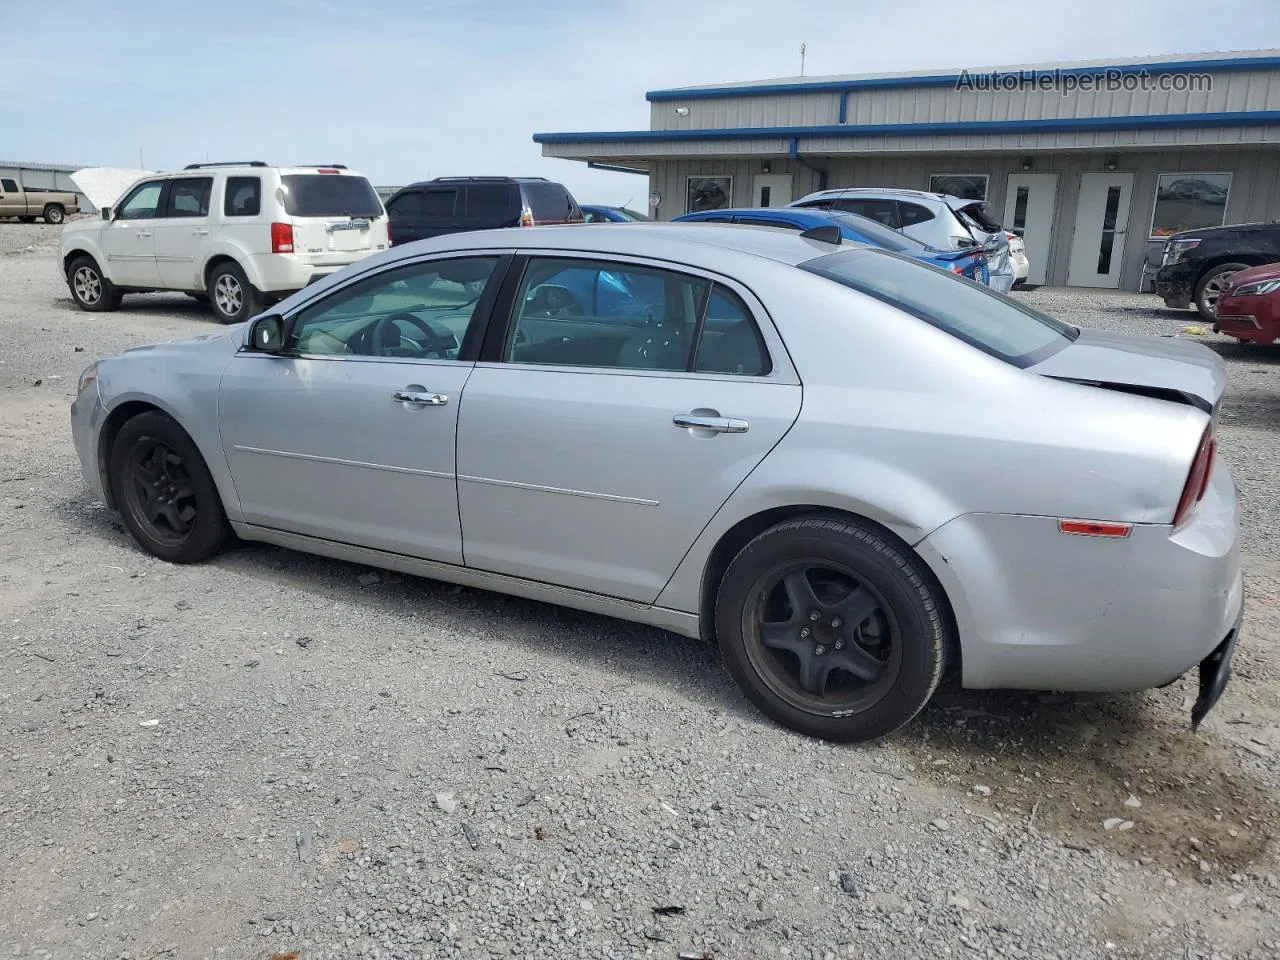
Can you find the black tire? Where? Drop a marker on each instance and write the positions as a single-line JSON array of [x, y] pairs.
[[900, 640], [1211, 285], [28, 219], [164, 491], [199, 297], [89, 288], [232, 297], [54, 214]]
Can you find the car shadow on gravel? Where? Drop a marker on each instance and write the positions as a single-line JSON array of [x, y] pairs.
[[167, 304], [1118, 772], [1065, 764]]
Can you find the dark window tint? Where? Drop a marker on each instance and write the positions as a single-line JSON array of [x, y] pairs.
[[141, 203], [977, 212], [730, 342], [1020, 208], [882, 211], [971, 312], [439, 203], [549, 202], [329, 195], [635, 215], [494, 202], [243, 197], [913, 213], [10, 186], [405, 204], [189, 197]]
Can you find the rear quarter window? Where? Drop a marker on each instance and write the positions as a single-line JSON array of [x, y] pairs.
[[549, 201], [243, 197], [329, 195], [493, 201]]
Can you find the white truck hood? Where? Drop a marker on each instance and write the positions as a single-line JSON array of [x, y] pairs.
[[105, 185]]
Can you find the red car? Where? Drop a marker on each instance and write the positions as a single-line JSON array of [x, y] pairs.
[[1249, 309]]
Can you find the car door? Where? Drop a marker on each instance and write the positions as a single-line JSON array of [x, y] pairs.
[[404, 216], [128, 241], [440, 211], [182, 232], [618, 409], [349, 433], [12, 200]]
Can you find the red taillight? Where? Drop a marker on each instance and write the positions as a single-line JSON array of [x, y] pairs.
[[328, 170], [1198, 479], [1092, 528], [957, 269], [282, 238], [390, 242], [526, 217]]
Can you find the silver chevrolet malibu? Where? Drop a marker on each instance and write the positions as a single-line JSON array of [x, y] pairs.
[[853, 471]]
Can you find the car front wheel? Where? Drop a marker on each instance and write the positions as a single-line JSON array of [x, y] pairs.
[[831, 629], [89, 288], [167, 497], [1213, 285], [231, 295]]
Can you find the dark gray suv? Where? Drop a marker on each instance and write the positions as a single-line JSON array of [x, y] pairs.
[[454, 204]]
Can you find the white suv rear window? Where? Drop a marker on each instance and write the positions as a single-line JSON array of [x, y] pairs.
[[329, 195]]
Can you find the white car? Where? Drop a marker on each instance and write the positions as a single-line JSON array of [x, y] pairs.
[[239, 235], [1018, 257]]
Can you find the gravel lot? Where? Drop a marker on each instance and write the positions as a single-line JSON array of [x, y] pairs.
[[279, 755]]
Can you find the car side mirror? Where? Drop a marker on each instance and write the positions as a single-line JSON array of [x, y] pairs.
[[106, 213], [267, 334]]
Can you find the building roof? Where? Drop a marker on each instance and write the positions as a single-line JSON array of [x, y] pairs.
[[1218, 62], [52, 167]]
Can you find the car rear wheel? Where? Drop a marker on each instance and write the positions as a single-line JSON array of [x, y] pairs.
[[166, 495], [231, 295], [1213, 285], [54, 214], [831, 629], [89, 288]]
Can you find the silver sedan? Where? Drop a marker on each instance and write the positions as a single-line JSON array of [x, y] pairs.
[[852, 471]]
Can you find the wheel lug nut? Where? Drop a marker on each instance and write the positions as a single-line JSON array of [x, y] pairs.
[[839, 644], [819, 649], [836, 623], [814, 615], [804, 633]]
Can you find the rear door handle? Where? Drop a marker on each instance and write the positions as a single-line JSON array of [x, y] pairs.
[[143, 234], [714, 424], [415, 396], [199, 233]]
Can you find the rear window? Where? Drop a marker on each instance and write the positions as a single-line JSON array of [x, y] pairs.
[[977, 212], [329, 195], [550, 201], [879, 234], [968, 311]]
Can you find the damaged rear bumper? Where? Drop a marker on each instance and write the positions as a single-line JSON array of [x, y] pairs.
[[1215, 673]]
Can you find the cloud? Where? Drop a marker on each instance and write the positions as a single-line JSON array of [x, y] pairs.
[[407, 90]]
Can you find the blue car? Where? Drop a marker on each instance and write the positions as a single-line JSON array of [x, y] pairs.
[[853, 228], [595, 214]]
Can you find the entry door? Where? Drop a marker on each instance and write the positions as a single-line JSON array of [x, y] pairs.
[[1028, 206], [1102, 221], [593, 457], [350, 435], [771, 190]]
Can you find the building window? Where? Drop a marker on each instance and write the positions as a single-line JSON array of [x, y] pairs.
[[709, 193], [966, 186], [1189, 201]]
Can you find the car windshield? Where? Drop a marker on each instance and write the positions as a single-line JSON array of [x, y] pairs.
[[329, 195], [879, 234], [968, 311]]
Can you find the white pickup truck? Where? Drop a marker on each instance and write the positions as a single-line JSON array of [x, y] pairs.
[[29, 204]]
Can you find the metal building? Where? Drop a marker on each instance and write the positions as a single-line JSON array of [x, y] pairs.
[[46, 176], [1093, 162]]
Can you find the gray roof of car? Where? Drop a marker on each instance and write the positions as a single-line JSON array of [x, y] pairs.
[[880, 192], [683, 242]]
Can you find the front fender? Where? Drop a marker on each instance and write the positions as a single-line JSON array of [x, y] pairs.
[[77, 244]]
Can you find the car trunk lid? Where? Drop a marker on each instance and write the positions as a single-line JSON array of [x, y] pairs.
[[336, 217], [1161, 367]]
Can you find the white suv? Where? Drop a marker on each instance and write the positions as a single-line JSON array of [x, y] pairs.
[[239, 235]]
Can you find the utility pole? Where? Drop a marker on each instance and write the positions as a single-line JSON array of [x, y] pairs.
[[802, 59]]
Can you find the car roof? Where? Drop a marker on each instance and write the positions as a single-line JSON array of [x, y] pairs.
[[791, 213], [690, 242], [894, 192]]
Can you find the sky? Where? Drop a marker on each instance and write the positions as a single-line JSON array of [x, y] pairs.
[[406, 91]]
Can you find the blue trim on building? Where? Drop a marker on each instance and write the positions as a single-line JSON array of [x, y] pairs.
[[1222, 65], [1172, 121], [844, 106]]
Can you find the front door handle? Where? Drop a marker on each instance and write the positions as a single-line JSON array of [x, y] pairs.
[[422, 397], [144, 234], [714, 424], [199, 233]]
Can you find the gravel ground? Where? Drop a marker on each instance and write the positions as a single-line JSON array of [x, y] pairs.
[[274, 755]]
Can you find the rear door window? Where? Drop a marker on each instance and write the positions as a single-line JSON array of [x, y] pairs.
[[492, 202], [913, 213], [189, 197], [882, 211], [329, 195], [9, 186], [440, 203], [243, 197], [549, 202]]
